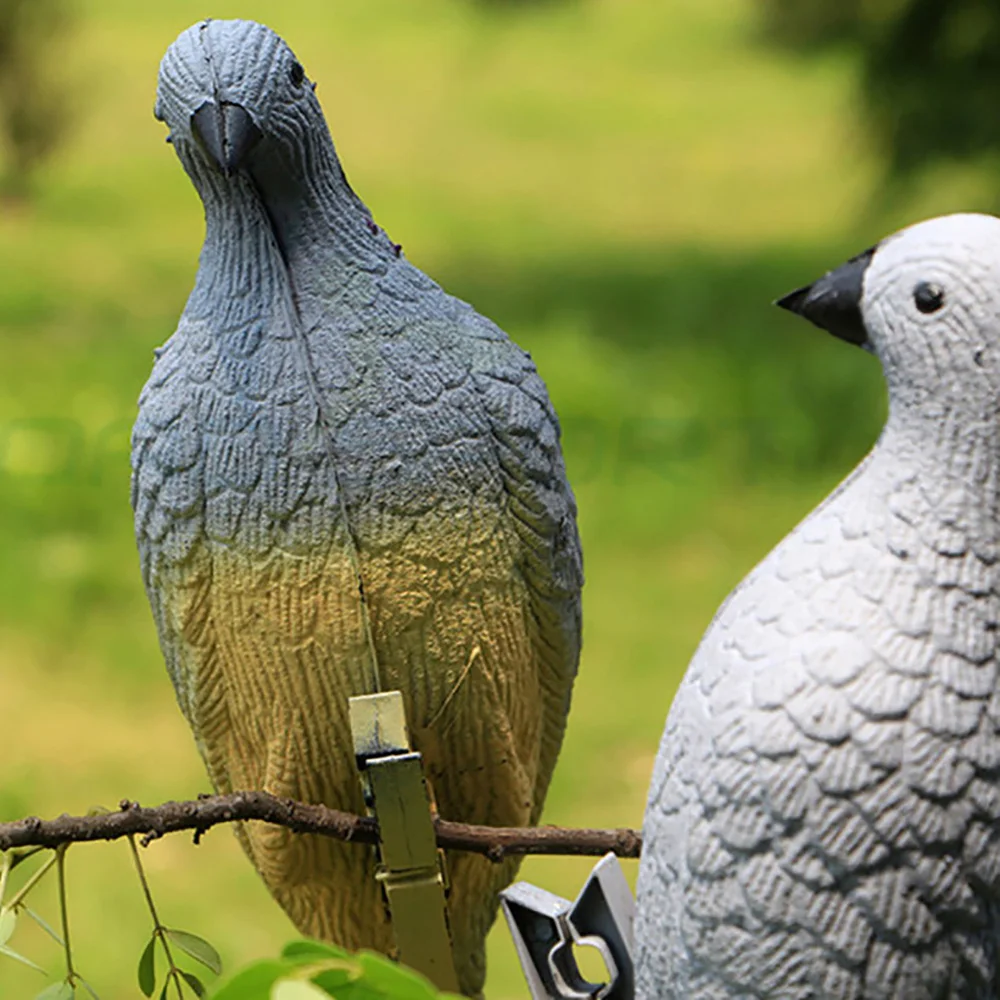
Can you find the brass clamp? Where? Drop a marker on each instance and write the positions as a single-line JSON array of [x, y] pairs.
[[411, 869]]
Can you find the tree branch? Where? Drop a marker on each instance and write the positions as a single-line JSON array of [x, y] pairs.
[[495, 843]]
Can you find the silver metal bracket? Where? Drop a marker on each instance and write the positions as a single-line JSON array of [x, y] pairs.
[[545, 928]]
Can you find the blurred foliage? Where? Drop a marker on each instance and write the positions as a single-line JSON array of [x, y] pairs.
[[623, 185], [35, 109], [930, 70], [308, 970], [519, 4]]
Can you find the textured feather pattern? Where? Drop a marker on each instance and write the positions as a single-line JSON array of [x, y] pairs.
[[344, 478], [824, 814]]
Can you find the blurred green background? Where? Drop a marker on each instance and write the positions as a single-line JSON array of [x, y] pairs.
[[624, 185]]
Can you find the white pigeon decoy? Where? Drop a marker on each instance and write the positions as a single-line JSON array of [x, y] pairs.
[[824, 816]]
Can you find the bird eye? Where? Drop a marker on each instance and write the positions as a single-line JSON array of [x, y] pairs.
[[297, 74], [928, 296]]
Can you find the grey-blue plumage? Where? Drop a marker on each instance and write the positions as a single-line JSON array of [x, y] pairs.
[[824, 815], [345, 479]]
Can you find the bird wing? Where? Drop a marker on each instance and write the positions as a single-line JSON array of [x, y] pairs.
[[542, 511]]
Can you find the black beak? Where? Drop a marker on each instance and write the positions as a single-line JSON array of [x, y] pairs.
[[227, 132], [833, 302]]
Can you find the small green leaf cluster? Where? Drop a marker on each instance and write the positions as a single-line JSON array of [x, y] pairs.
[[308, 970], [177, 983], [193, 946], [57, 991], [10, 910]]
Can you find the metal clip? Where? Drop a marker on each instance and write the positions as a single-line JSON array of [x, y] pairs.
[[411, 869], [545, 927]]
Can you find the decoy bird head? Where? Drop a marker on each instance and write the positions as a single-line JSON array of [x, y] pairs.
[[926, 301], [237, 101]]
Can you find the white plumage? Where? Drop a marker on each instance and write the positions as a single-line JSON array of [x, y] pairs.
[[824, 816]]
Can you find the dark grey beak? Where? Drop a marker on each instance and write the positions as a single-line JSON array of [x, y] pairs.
[[228, 133], [833, 302]]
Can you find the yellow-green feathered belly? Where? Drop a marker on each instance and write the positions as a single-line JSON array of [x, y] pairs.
[[270, 647]]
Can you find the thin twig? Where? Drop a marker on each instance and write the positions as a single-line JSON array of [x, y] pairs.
[[5, 864], [36, 877], [140, 871], [158, 928], [495, 843], [64, 911]]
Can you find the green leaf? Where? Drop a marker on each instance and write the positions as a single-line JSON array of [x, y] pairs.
[[394, 980], [8, 921], [57, 991], [90, 989], [43, 924], [254, 982], [147, 968], [197, 986], [163, 992], [10, 953], [297, 989], [312, 951], [198, 948], [335, 980]]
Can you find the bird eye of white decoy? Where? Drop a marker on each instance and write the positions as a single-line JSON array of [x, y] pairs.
[[928, 296], [297, 74]]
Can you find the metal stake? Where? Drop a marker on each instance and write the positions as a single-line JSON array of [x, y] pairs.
[[545, 927]]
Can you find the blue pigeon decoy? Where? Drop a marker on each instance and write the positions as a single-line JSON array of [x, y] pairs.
[[345, 480]]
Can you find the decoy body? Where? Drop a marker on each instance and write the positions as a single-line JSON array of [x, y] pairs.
[[824, 816], [344, 480]]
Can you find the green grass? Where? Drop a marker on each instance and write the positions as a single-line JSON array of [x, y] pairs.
[[624, 185]]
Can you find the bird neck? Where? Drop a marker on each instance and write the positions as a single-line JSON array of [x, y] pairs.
[[954, 447], [325, 232], [265, 234], [240, 270]]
